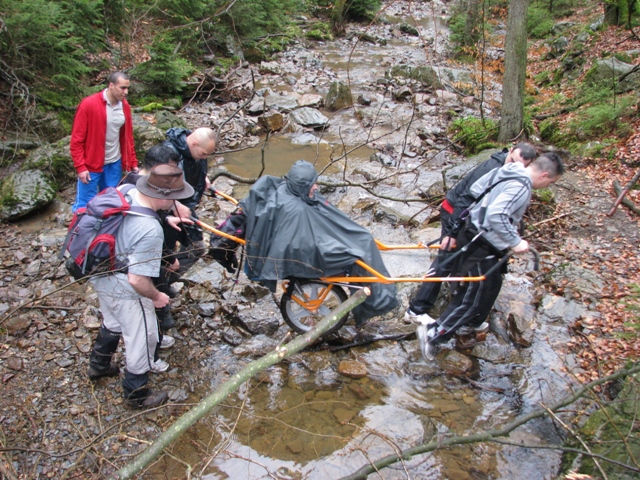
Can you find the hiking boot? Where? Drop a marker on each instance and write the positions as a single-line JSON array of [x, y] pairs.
[[94, 374], [159, 366], [167, 342], [150, 399], [166, 319], [469, 330]]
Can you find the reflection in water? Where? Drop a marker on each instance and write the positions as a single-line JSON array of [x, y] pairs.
[[280, 153]]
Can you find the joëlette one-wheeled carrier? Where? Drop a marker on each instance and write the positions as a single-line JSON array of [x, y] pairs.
[[306, 301]]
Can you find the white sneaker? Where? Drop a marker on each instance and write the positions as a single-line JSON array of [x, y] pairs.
[[159, 366], [425, 334], [467, 330], [412, 317], [167, 342]]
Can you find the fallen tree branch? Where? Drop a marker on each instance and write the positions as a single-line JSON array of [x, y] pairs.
[[489, 435], [621, 193], [223, 391]]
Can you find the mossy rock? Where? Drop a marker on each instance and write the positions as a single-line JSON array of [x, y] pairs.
[[603, 433], [24, 192], [339, 96], [166, 120], [54, 160]]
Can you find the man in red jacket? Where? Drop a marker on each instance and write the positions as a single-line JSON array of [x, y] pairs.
[[102, 139]]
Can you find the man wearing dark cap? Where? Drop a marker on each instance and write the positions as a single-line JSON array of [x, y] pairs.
[[128, 300]]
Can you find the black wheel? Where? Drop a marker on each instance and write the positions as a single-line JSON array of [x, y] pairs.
[[306, 302]]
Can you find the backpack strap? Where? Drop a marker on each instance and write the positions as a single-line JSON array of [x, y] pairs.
[[136, 210]]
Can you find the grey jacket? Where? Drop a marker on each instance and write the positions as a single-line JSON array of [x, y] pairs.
[[499, 213]]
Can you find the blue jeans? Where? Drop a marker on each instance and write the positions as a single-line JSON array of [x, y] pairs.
[[109, 177]]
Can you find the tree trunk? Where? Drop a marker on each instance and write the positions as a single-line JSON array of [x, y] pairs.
[[515, 65], [473, 23]]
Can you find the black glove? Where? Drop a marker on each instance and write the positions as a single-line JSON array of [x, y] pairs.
[[226, 258]]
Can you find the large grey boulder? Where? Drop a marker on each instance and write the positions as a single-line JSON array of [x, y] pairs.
[[611, 69], [145, 136], [309, 117], [339, 96], [423, 74], [54, 160], [23, 192]]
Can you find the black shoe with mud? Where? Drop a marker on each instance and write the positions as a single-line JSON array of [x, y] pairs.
[[150, 399]]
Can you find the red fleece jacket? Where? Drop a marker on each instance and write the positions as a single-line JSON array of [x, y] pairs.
[[89, 133]]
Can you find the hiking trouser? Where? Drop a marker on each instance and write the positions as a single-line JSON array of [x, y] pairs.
[[472, 301], [427, 294], [132, 316]]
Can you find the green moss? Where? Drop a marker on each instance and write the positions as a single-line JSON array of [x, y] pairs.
[[320, 31], [474, 134], [151, 107]]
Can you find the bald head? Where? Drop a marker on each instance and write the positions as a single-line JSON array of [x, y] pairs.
[[202, 142]]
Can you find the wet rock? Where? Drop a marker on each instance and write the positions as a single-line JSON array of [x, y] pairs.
[[339, 96], [270, 68], [520, 330], [296, 446], [306, 139], [271, 122], [362, 391], [232, 337], [256, 346], [454, 362], [178, 395], [24, 192], [317, 361], [14, 363], [386, 160], [402, 93], [352, 369], [365, 99], [409, 30], [343, 415], [281, 103], [259, 321], [311, 100], [309, 117], [257, 106]]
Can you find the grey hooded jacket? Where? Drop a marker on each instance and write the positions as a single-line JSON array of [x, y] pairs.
[[499, 212]]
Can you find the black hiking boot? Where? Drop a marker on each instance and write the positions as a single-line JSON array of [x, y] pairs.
[[149, 399], [165, 318], [100, 359], [95, 374]]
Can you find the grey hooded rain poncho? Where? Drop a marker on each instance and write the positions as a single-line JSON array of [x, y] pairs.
[[290, 234]]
